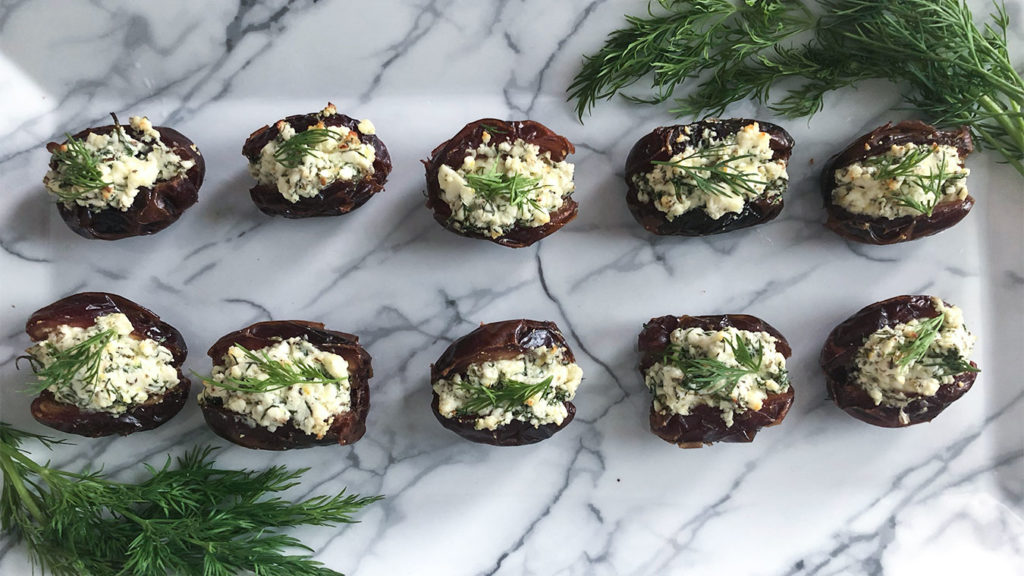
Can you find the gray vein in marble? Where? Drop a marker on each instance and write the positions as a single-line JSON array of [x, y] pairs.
[[776, 287], [198, 273], [110, 274], [163, 286], [262, 311], [198, 250], [6, 247], [1013, 278], [422, 25]]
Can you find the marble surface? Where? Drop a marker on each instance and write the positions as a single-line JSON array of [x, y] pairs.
[[821, 494]]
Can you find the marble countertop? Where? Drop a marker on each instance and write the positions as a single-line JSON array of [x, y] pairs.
[[821, 494]]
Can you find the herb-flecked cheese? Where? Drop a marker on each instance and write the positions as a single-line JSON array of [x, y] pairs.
[[673, 189], [128, 370], [310, 407], [124, 164], [533, 367], [675, 390], [545, 185]]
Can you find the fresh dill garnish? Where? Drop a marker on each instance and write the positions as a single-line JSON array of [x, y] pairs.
[[190, 518], [493, 129], [724, 51], [711, 376], [505, 394], [290, 152], [279, 374], [913, 350], [82, 360], [718, 177], [77, 170], [495, 184], [951, 364], [932, 184]]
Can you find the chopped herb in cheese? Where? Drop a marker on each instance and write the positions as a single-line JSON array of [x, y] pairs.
[[531, 387], [718, 176], [500, 187], [731, 370], [302, 163], [907, 360], [310, 406], [907, 180], [108, 170], [109, 370]]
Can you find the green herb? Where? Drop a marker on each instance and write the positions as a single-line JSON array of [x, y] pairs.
[[495, 184], [718, 177], [952, 364], [710, 376], [77, 170], [188, 519], [290, 152], [493, 129], [279, 374], [81, 360], [913, 350], [933, 184], [505, 394], [723, 51]]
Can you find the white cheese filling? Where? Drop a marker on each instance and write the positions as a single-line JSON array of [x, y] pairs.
[[889, 378], [546, 406], [123, 165], [310, 407], [672, 379], [890, 185], [320, 157], [533, 186], [746, 156], [128, 371]]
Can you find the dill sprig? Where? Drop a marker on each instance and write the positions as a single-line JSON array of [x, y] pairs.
[[279, 374], [505, 394], [718, 177], [723, 51], [952, 363], [495, 184], [933, 183], [913, 350], [290, 152], [189, 519], [77, 169], [81, 360], [711, 376]]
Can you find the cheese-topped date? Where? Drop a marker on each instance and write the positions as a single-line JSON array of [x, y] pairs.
[[708, 177], [319, 164], [287, 384], [899, 362], [112, 182], [898, 183], [507, 182], [714, 378], [506, 383], [105, 365]]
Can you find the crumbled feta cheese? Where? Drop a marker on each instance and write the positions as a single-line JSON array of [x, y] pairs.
[[673, 189], [544, 185], [123, 163], [936, 177], [675, 393], [877, 363], [129, 370], [366, 127], [534, 367], [310, 407]]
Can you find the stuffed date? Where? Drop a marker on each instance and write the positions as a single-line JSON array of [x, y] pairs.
[[113, 182], [714, 378], [319, 164], [287, 384], [898, 183], [507, 182], [708, 177], [899, 362], [105, 365], [506, 383]]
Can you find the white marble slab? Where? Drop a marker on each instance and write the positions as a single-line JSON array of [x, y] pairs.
[[821, 494]]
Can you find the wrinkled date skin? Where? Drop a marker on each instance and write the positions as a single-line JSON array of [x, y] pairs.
[[154, 208], [492, 342], [705, 424], [347, 426], [339, 197], [81, 311], [840, 352], [664, 143], [876, 230], [453, 152]]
